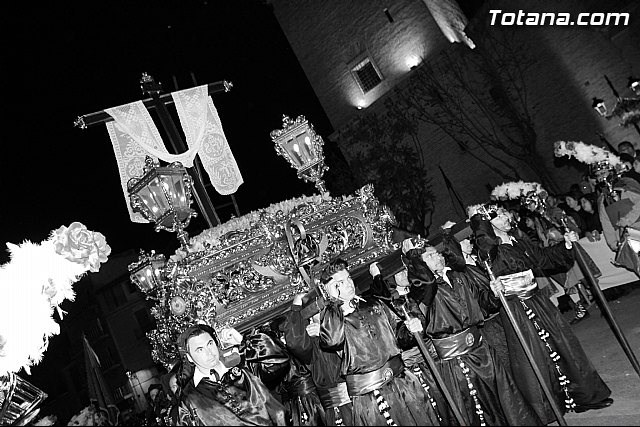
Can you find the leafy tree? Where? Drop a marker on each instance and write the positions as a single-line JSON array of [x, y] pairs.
[[385, 152], [479, 99]]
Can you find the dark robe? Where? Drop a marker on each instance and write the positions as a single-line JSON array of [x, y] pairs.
[[414, 360], [451, 309], [239, 399], [368, 339], [300, 398], [324, 366], [586, 386]]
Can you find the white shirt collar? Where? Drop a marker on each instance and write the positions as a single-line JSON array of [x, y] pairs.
[[444, 275], [199, 375]]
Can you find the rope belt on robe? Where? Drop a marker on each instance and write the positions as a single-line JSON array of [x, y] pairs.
[[455, 346], [523, 286]]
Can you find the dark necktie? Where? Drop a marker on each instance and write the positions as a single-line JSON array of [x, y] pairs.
[[215, 375]]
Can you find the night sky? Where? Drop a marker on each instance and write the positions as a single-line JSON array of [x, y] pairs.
[[71, 58]]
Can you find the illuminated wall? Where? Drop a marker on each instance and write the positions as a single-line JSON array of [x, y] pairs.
[[331, 37]]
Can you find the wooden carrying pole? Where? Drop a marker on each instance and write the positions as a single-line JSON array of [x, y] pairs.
[[536, 369], [604, 306], [436, 374]]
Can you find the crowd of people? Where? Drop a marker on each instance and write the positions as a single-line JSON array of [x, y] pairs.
[[364, 359], [467, 332]]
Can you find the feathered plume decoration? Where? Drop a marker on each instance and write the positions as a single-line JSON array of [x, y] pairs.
[[34, 283], [516, 190], [586, 153], [485, 210], [530, 194]]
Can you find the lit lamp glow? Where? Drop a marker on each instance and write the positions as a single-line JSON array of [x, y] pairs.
[[147, 272], [634, 85], [163, 196], [298, 143], [412, 62], [599, 106]]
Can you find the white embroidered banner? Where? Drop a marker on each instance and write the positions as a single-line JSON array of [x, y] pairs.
[[129, 120], [202, 128], [134, 135]]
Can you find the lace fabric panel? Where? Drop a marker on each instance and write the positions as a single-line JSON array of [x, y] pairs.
[[134, 120], [134, 135], [130, 159], [203, 129]]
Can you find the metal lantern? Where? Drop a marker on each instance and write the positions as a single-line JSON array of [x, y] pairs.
[[298, 143], [599, 106], [163, 196], [147, 272], [19, 400]]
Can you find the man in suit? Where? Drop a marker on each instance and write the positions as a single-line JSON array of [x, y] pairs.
[[218, 395]]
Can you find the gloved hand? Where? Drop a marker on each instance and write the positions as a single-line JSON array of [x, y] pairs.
[[569, 238], [374, 270], [407, 245], [261, 347], [497, 287], [401, 278], [297, 300], [313, 329], [266, 359], [413, 325], [229, 337]]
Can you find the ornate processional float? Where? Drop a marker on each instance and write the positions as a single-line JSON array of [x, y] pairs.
[[245, 272]]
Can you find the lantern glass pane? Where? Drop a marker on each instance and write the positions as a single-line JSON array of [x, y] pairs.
[[157, 193], [149, 201], [153, 198], [304, 142], [292, 147], [141, 279], [176, 191]]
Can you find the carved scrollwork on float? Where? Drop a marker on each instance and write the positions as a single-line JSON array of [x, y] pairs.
[[247, 276]]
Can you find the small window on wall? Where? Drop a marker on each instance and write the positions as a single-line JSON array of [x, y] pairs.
[[367, 75]]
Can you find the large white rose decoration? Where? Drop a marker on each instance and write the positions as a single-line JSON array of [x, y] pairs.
[[77, 244], [34, 283]]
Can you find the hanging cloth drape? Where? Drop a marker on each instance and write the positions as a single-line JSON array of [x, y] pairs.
[[450, 19], [203, 129], [131, 131], [134, 135]]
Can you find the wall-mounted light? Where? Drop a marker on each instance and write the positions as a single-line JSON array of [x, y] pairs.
[[413, 61], [634, 85], [598, 105]]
